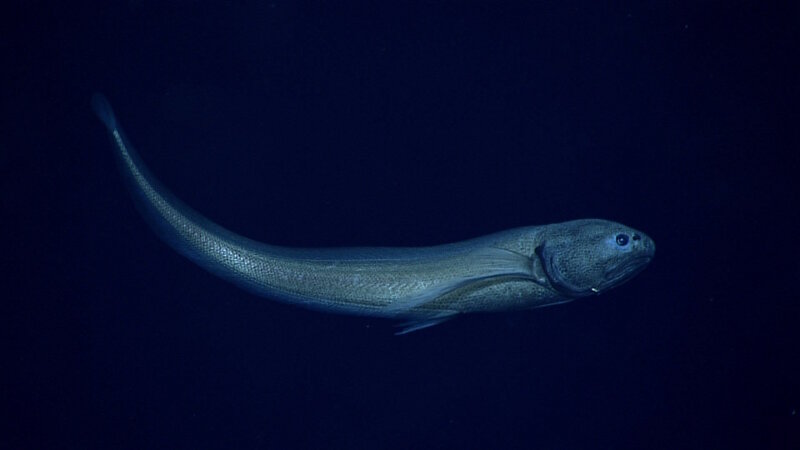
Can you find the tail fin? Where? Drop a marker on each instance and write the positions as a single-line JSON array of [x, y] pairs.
[[188, 232], [103, 110]]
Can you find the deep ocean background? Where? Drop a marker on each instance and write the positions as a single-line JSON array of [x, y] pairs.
[[401, 124]]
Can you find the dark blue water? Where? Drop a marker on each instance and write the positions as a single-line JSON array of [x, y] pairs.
[[322, 124]]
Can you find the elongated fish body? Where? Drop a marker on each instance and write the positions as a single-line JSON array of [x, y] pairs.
[[517, 269]]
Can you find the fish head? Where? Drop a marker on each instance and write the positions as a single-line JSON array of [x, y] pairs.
[[587, 257]]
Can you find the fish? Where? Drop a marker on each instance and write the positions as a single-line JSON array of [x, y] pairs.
[[512, 270]]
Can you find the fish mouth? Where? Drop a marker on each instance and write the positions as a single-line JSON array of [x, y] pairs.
[[626, 270]]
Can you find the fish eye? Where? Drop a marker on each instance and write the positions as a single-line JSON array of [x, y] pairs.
[[622, 240]]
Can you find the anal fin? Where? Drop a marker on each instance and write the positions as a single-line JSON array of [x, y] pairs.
[[415, 325]]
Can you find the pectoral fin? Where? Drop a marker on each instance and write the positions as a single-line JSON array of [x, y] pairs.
[[484, 263]]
